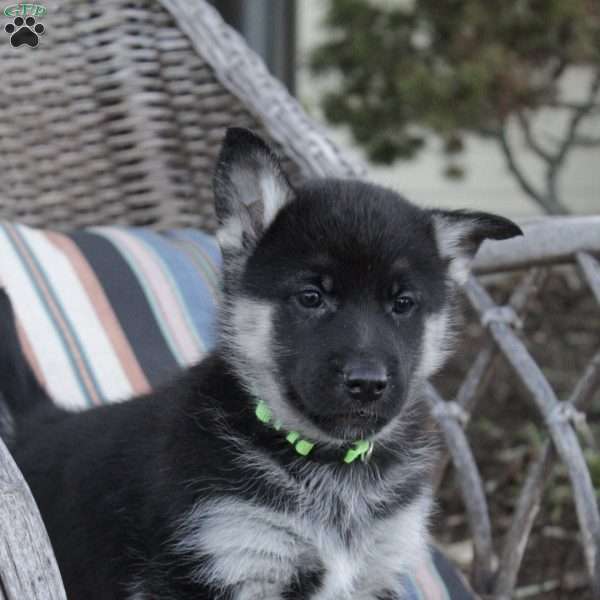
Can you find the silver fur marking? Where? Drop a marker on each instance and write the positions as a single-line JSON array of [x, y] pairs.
[[449, 236], [258, 550], [435, 347]]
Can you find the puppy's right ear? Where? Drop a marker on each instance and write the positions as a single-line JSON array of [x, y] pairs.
[[459, 233], [249, 187]]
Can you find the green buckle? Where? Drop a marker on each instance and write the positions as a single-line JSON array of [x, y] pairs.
[[303, 447], [292, 437], [362, 448], [263, 412]]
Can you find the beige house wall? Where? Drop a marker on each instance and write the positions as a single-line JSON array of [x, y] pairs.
[[488, 184]]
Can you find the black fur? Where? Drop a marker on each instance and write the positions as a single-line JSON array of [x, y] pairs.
[[21, 395], [113, 483]]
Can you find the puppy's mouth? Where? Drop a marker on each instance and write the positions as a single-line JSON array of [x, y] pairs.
[[348, 425], [351, 425]]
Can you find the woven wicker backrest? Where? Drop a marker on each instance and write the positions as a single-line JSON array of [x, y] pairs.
[[117, 117]]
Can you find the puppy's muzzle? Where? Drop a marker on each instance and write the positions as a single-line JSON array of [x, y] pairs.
[[365, 381]]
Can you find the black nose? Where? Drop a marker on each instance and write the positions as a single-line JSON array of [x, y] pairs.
[[365, 381]]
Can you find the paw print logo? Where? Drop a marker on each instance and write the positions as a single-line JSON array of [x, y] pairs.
[[24, 31]]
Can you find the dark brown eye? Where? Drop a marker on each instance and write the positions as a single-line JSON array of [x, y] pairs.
[[403, 304], [310, 299]]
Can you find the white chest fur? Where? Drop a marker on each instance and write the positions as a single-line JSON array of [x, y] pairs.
[[258, 551]]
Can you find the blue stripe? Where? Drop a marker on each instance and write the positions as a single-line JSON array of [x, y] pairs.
[[206, 242], [409, 589], [202, 255], [196, 294]]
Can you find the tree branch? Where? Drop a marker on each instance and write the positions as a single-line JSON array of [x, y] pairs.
[[578, 115], [555, 165], [532, 143], [549, 205], [586, 141], [567, 105], [555, 161]]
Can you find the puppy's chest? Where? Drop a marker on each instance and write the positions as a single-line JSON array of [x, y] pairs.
[[339, 545]]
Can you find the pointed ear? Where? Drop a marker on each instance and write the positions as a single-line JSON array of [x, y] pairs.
[[459, 233], [249, 187]]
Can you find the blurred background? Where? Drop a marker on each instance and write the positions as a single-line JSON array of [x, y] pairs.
[[479, 104]]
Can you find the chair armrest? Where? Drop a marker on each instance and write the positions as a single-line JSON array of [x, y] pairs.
[[28, 568], [244, 74]]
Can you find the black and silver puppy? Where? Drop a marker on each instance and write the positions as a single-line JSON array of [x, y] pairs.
[[293, 461]]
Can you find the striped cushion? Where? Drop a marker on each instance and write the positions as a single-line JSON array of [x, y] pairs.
[[109, 312]]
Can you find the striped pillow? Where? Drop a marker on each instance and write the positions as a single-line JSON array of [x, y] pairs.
[[109, 312]]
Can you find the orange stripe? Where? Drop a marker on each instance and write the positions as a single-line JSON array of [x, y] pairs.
[[25, 255], [104, 312]]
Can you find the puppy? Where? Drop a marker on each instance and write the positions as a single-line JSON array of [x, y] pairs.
[[292, 462]]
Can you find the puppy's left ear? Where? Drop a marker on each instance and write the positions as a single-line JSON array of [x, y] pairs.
[[459, 233], [249, 187]]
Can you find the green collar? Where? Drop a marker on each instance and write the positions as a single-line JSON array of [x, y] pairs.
[[360, 448]]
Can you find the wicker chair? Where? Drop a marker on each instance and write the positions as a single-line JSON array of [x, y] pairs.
[[116, 118], [121, 109]]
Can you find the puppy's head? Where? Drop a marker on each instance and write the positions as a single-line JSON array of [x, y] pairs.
[[338, 294]]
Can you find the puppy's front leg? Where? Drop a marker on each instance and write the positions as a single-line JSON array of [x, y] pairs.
[[263, 577], [248, 549], [251, 575]]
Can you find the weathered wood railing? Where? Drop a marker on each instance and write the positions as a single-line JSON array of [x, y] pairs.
[[28, 569], [547, 242]]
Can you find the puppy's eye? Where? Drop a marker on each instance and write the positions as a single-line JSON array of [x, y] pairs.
[[403, 304], [310, 298]]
